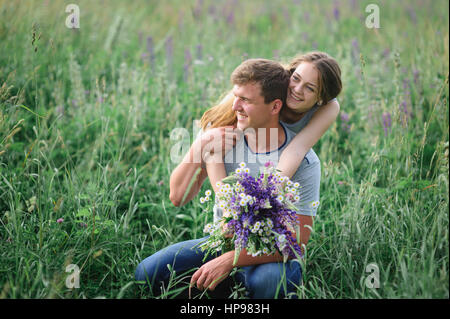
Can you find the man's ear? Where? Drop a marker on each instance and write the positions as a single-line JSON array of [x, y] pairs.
[[276, 106]]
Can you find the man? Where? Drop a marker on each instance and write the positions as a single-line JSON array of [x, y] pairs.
[[260, 88]]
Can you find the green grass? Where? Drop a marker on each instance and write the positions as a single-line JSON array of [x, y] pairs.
[[86, 117]]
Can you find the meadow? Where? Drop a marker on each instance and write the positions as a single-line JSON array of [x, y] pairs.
[[86, 116]]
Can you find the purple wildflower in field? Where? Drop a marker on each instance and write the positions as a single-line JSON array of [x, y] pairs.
[[305, 36], [230, 18], [355, 50], [59, 110], [386, 122], [151, 53], [258, 211], [307, 18], [412, 15], [187, 64], [199, 51], [344, 121], [60, 220], [336, 12], [169, 51]]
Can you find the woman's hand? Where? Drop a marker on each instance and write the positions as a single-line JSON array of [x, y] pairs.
[[216, 142]]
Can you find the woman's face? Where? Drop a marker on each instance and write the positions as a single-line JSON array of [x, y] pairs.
[[303, 88]]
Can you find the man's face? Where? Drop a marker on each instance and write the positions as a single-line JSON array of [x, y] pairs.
[[249, 106], [303, 88]]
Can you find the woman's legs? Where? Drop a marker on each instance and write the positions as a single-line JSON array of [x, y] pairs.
[[271, 280]]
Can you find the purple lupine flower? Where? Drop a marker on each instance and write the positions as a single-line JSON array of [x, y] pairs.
[[199, 51], [230, 18], [59, 110], [305, 36], [169, 51], [355, 50], [404, 107], [336, 12], [386, 122], [187, 64], [306, 16], [412, 15], [151, 53], [344, 119]]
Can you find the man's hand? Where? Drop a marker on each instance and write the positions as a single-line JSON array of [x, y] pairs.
[[213, 272]]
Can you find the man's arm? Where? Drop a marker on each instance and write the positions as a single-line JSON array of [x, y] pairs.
[[189, 171]]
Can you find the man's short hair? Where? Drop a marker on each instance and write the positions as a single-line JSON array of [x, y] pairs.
[[273, 78]]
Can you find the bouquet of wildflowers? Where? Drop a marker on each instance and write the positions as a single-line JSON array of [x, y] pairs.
[[258, 214]]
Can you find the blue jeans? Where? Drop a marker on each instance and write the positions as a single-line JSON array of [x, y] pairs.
[[264, 281]]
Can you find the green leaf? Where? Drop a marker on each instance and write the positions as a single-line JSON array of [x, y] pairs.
[[84, 212]]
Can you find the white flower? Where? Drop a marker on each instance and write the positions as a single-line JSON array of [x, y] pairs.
[[238, 170], [208, 193], [296, 198], [281, 239], [296, 185], [202, 200], [242, 164], [247, 170], [280, 198], [208, 228], [315, 204]]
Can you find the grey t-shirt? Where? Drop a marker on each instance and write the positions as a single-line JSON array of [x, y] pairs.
[[307, 175]]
